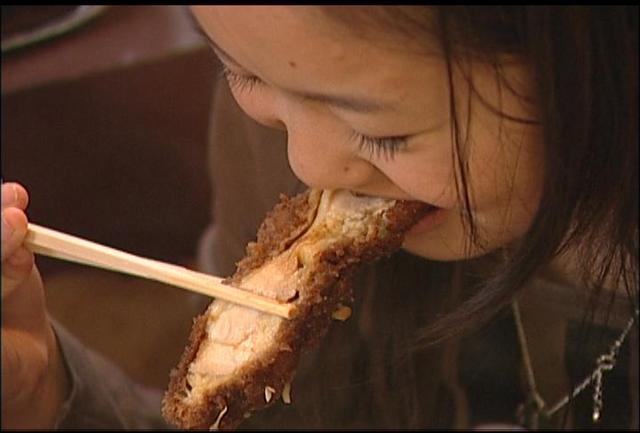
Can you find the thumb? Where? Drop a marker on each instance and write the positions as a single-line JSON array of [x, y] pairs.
[[16, 270], [17, 261], [14, 230]]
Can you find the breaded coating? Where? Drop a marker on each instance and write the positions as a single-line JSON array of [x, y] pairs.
[[307, 251]]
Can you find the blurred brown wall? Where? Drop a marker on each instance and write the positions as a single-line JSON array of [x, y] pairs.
[[107, 128], [116, 154]]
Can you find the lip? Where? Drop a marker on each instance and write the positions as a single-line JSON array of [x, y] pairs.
[[431, 220], [434, 216]]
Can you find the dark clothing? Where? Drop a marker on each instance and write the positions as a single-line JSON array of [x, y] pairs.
[[102, 397]]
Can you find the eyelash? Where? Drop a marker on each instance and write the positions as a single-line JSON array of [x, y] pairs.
[[243, 83], [385, 147]]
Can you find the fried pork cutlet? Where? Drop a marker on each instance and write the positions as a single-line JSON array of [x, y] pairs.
[[239, 360]]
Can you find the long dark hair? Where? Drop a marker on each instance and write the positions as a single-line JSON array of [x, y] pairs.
[[585, 65]]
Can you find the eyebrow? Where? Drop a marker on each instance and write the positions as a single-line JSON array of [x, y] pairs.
[[361, 105]]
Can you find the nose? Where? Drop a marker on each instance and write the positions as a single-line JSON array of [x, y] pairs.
[[273, 122], [322, 158]]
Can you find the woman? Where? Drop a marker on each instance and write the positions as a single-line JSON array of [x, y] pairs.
[[519, 124]]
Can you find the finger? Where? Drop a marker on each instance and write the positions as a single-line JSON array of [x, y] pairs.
[[16, 270], [14, 194], [18, 266], [9, 364], [14, 230]]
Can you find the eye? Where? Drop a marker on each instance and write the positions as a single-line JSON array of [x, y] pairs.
[[385, 147], [243, 83]]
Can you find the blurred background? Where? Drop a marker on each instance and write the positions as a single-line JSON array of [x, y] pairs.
[[105, 116], [105, 121]]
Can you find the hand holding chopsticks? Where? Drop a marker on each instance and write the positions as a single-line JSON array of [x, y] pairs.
[[62, 246]]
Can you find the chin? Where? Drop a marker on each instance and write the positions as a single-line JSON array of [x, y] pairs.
[[441, 250], [448, 241]]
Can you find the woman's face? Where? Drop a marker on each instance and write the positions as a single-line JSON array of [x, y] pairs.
[[371, 113]]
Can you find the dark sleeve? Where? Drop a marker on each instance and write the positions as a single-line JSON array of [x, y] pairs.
[[102, 396]]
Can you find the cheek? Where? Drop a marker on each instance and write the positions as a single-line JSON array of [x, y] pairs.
[[430, 181], [506, 156], [425, 170], [508, 183], [527, 191]]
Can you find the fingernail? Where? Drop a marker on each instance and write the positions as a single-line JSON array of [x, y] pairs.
[[10, 197]]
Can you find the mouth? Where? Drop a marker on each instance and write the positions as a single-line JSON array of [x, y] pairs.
[[435, 216]]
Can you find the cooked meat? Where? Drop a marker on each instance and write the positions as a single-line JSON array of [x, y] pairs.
[[308, 249]]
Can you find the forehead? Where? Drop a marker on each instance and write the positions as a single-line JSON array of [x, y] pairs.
[[301, 46], [271, 34], [323, 26]]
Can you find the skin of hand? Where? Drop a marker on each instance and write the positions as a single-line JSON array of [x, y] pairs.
[[34, 379]]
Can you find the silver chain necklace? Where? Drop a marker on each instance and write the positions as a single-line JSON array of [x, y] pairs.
[[604, 362]]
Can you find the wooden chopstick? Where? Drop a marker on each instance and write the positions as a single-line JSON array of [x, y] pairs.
[[52, 243]]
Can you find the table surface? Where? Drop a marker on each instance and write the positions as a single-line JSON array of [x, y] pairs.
[[119, 37]]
